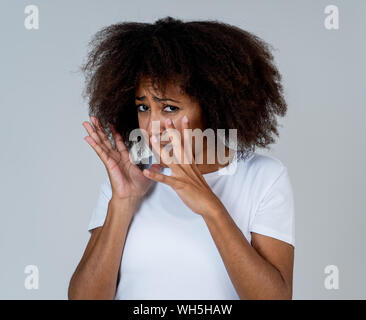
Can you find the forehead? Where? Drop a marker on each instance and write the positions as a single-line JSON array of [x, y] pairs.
[[145, 87]]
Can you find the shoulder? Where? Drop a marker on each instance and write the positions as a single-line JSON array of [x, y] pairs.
[[264, 164], [261, 171]]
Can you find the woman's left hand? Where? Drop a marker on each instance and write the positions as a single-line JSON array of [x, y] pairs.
[[185, 179]]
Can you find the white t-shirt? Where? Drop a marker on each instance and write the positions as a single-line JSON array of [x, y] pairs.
[[169, 252]]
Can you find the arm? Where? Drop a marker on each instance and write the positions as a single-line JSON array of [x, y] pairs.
[[261, 271], [96, 275]]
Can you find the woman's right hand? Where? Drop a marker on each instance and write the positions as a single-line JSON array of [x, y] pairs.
[[127, 180]]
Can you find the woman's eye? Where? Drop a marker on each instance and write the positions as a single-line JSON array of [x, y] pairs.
[[167, 108], [174, 108], [139, 109]]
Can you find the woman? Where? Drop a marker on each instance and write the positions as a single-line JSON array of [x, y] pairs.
[[179, 230]]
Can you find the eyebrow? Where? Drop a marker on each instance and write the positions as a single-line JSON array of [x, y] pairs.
[[156, 98]]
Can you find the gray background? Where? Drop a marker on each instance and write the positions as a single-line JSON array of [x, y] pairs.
[[50, 176]]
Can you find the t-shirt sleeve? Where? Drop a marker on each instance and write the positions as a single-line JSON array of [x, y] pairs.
[[275, 215], [100, 210]]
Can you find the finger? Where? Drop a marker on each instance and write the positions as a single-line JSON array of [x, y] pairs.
[[101, 132], [175, 139], [120, 145], [168, 180], [103, 154], [183, 151], [187, 137], [92, 133], [179, 151], [155, 167], [188, 152], [118, 141], [162, 153], [156, 148]]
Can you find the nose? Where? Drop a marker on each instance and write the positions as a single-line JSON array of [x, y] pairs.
[[156, 126]]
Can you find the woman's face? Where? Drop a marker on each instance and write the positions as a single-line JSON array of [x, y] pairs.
[[151, 106]]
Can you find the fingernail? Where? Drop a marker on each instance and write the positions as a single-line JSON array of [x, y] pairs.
[[185, 119], [153, 138], [169, 121]]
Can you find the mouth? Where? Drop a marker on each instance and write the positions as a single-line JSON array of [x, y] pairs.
[[167, 145]]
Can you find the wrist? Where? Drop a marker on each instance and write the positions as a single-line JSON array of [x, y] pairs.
[[127, 200], [213, 211], [125, 205]]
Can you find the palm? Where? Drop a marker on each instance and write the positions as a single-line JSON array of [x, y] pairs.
[[127, 180]]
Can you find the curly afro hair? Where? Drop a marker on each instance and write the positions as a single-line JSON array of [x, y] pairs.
[[228, 71]]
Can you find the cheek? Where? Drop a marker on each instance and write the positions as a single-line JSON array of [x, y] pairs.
[[142, 122], [196, 119]]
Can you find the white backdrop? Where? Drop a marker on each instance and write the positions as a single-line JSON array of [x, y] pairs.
[[50, 176]]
